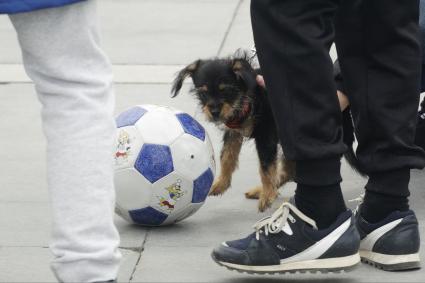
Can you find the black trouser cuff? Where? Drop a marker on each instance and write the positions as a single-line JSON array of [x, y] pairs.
[[319, 172], [395, 183]]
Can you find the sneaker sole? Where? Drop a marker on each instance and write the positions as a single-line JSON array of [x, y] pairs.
[[391, 262], [329, 265]]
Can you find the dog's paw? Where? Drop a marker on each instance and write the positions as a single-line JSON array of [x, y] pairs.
[[219, 187], [254, 193], [266, 201]]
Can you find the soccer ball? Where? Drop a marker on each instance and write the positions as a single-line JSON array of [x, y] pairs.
[[164, 165]]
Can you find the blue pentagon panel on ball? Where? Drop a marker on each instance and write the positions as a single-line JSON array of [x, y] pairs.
[[148, 216], [191, 126], [130, 116], [154, 162], [202, 186]]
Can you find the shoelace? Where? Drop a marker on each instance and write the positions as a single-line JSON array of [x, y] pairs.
[[359, 200], [275, 223]]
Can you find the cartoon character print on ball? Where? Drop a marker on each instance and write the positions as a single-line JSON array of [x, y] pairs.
[[175, 192], [123, 147]]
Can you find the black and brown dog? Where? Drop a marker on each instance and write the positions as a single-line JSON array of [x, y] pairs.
[[230, 96]]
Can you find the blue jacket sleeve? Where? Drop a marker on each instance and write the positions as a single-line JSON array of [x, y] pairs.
[[20, 6]]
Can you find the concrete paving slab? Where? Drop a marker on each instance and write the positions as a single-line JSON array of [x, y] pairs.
[[132, 236], [240, 34], [150, 31], [27, 224], [24, 224], [164, 32], [9, 48], [24, 161], [123, 74], [31, 264]]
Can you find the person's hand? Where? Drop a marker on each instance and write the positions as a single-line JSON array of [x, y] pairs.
[[260, 81], [343, 100]]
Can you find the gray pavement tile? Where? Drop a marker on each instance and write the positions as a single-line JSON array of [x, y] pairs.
[[123, 74], [128, 264], [150, 31], [132, 236], [18, 185], [31, 264], [24, 224], [164, 32], [27, 224], [128, 95], [23, 166], [240, 34], [9, 48]]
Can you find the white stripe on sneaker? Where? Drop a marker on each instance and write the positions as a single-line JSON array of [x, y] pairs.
[[318, 249], [369, 241]]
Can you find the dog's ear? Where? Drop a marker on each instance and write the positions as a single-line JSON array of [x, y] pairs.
[[244, 72], [188, 71]]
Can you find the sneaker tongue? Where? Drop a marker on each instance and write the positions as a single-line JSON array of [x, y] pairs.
[[291, 200]]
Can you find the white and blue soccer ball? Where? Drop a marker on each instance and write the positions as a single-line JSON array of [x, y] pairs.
[[164, 165]]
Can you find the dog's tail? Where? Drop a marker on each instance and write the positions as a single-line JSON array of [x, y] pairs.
[[348, 128]]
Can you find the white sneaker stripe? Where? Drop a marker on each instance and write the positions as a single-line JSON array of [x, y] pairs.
[[320, 247], [287, 229], [369, 241]]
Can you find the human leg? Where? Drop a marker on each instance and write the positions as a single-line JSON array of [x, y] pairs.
[[73, 81], [293, 40], [379, 53]]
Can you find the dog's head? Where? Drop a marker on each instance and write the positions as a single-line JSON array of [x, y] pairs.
[[225, 88]]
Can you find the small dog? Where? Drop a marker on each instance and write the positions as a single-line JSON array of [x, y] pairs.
[[229, 95]]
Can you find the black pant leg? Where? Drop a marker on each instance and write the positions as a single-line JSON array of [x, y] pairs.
[[379, 54], [293, 38]]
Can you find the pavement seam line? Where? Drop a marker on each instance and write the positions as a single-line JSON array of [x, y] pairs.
[[142, 248], [226, 34]]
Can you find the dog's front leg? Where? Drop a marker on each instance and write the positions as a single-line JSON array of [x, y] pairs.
[[286, 171], [232, 143], [267, 153]]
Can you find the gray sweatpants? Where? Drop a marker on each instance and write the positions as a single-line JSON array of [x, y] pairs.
[[73, 80]]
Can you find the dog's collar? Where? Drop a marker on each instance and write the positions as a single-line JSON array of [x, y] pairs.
[[236, 122]]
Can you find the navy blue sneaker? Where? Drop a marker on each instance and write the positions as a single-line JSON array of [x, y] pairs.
[[391, 244], [289, 241]]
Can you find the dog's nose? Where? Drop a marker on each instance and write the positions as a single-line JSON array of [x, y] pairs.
[[215, 113]]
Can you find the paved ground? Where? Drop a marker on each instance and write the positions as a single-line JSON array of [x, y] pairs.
[[147, 41]]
